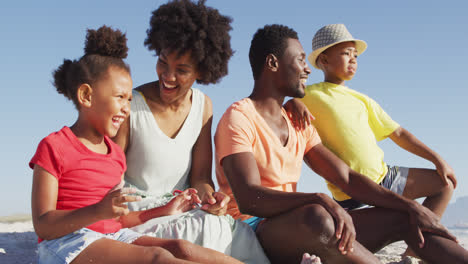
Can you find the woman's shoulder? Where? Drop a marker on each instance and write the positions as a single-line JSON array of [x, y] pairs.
[[146, 89]]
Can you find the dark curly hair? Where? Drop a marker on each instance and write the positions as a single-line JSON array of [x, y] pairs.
[[104, 48], [181, 26], [271, 39]]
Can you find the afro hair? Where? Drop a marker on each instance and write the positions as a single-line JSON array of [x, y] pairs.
[[183, 26], [104, 47]]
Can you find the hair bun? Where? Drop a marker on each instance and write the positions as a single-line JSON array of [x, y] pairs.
[[106, 41]]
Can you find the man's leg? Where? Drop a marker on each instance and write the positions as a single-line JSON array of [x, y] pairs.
[[377, 227], [307, 229]]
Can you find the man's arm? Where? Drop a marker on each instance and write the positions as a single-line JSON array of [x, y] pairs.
[[410, 143], [242, 173], [252, 198], [361, 188]]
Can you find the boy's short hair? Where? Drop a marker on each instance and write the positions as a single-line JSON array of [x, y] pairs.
[[271, 39]]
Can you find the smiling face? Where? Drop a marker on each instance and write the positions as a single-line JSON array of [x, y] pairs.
[[339, 62], [110, 101], [293, 69], [176, 76]]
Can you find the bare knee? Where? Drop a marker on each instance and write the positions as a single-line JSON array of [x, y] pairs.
[[181, 248], [158, 255], [449, 188], [318, 221]]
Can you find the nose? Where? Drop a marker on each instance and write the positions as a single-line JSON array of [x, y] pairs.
[[126, 108], [307, 69], [169, 75]]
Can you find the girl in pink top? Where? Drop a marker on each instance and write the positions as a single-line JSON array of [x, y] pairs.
[[78, 206]]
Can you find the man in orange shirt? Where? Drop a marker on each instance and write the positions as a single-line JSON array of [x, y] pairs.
[[258, 162]]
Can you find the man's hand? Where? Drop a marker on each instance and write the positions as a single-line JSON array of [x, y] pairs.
[[344, 230], [215, 203], [424, 220]]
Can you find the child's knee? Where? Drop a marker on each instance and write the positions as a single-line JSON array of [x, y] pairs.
[[159, 255], [181, 248]]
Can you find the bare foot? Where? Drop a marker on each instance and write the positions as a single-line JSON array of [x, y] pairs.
[[308, 259], [409, 253]]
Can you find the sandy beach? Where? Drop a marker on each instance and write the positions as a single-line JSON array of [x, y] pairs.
[[18, 243]]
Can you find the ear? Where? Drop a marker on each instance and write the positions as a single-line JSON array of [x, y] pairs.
[[322, 60], [272, 62], [84, 94]]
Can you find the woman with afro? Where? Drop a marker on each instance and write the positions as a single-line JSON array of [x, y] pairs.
[[167, 139]]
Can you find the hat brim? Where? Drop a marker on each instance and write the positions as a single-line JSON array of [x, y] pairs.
[[361, 46]]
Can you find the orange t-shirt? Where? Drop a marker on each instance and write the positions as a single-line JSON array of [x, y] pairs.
[[243, 129]]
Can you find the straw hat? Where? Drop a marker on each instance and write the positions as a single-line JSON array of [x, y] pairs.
[[330, 35]]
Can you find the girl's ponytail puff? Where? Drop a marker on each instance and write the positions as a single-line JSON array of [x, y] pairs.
[[62, 80]]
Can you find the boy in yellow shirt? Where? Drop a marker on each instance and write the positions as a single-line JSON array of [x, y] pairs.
[[350, 124]]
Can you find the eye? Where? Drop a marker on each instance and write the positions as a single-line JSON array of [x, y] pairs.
[[161, 61]]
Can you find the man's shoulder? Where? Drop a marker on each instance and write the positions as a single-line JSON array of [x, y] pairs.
[[242, 107]]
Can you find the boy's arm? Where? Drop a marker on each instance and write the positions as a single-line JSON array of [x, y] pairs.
[[409, 142], [298, 113], [361, 188]]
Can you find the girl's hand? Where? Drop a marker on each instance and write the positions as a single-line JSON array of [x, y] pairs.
[[298, 113], [215, 203], [113, 205], [183, 202]]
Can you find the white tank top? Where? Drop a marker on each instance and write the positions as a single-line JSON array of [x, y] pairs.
[[156, 163]]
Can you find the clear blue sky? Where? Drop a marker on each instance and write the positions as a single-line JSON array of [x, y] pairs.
[[414, 67]]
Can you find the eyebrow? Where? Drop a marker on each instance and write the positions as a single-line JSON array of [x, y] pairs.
[[164, 57]]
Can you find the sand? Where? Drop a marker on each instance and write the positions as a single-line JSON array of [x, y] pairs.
[[18, 244]]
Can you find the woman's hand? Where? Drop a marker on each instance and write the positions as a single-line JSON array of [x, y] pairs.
[[215, 203], [183, 202], [298, 113]]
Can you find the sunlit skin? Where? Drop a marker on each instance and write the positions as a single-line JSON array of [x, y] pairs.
[[296, 69], [339, 62], [177, 73], [104, 106]]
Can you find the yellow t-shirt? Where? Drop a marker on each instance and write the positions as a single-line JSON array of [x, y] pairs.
[[243, 129], [350, 124]]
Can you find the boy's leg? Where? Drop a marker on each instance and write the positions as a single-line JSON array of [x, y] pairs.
[[377, 227], [307, 229], [427, 183], [416, 183]]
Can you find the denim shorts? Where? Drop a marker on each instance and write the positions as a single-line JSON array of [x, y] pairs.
[[394, 180], [65, 249]]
